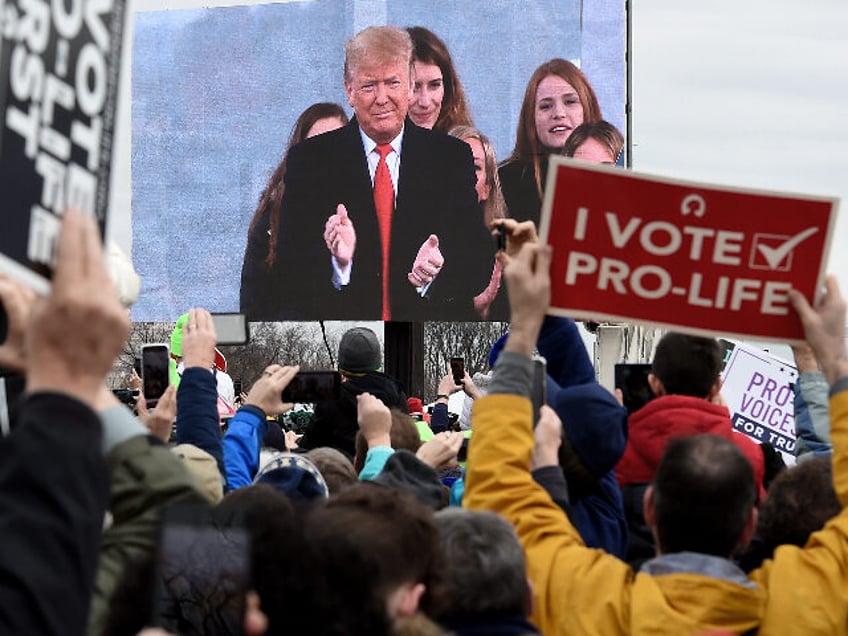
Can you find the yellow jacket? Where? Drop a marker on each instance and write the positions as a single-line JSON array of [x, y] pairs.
[[579, 590]]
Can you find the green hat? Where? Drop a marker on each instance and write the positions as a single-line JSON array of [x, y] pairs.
[[177, 336]]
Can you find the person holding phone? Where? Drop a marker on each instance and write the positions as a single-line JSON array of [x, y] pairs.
[[334, 423]]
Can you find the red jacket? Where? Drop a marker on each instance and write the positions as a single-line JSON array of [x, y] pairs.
[[669, 416]]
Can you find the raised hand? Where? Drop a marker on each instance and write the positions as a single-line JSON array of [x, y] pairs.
[[267, 392], [428, 262], [340, 236], [76, 332], [199, 339], [17, 300], [824, 327], [375, 420], [441, 451]]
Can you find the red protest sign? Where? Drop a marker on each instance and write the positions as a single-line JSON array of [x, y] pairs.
[[684, 255]]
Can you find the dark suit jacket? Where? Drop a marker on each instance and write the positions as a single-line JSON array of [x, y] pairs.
[[435, 196]]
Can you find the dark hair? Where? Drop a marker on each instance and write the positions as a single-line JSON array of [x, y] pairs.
[[800, 501], [277, 546], [430, 49], [527, 148], [487, 572], [272, 196], [601, 131], [367, 541], [687, 365], [404, 435], [703, 495]]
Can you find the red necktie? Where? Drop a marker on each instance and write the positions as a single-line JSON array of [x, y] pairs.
[[384, 202]]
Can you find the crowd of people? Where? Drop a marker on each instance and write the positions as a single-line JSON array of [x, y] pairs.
[[583, 521], [426, 253], [569, 517]]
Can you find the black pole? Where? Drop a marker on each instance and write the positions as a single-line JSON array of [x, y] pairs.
[[404, 354]]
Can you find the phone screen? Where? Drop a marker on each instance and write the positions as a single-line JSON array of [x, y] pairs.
[[457, 369], [309, 387], [203, 573], [632, 379], [154, 371]]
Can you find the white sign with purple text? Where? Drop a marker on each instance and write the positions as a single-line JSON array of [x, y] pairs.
[[759, 392]]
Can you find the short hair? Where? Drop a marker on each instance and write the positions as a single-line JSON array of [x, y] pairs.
[[703, 495], [601, 131], [272, 196], [404, 436], [381, 44], [336, 468], [800, 501], [527, 146], [687, 365], [494, 207], [486, 572], [430, 49], [367, 541]]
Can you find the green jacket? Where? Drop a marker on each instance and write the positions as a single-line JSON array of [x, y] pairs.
[[146, 476]]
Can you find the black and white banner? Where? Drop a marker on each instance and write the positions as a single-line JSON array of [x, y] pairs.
[[59, 65]]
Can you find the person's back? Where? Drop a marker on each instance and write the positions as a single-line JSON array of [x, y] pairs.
[[700, 506], [685, 379], [334, 422]]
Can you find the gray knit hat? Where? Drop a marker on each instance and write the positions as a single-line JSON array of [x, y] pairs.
[[359, 352]]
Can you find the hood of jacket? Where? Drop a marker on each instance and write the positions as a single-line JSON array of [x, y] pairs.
[[663, 418]]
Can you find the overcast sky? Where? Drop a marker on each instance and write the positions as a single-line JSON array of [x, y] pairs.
[[750, 93]]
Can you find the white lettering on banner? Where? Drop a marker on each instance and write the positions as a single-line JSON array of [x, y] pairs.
[[664, 238], [77, 84]]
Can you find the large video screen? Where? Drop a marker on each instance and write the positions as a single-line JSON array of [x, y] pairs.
[[215, 95]]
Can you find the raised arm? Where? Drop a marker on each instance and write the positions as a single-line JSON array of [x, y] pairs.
[[53, 478], [563, 571], [815, 577]]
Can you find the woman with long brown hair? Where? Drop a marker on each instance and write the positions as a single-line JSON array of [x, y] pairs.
[[557, 100], [438, 100], [261, 251]]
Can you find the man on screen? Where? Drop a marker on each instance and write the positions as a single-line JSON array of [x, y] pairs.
[[380, 218]]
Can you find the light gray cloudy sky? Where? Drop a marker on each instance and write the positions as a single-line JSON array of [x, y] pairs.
[[750, 93]]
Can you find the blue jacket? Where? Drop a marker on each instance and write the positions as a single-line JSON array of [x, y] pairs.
[[596, 427], [242, 444], [812, 416], [197, 414]]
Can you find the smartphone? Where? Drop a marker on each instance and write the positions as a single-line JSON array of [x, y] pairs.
[[202, 572], [237, 388], [462, 454], [500, 238], [457, 370], [632, 379], [230, 329], [538, 392], [154, 372], [309, 387], [137, 365]]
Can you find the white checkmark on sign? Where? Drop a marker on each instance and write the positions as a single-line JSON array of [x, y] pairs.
[[774, 255]]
